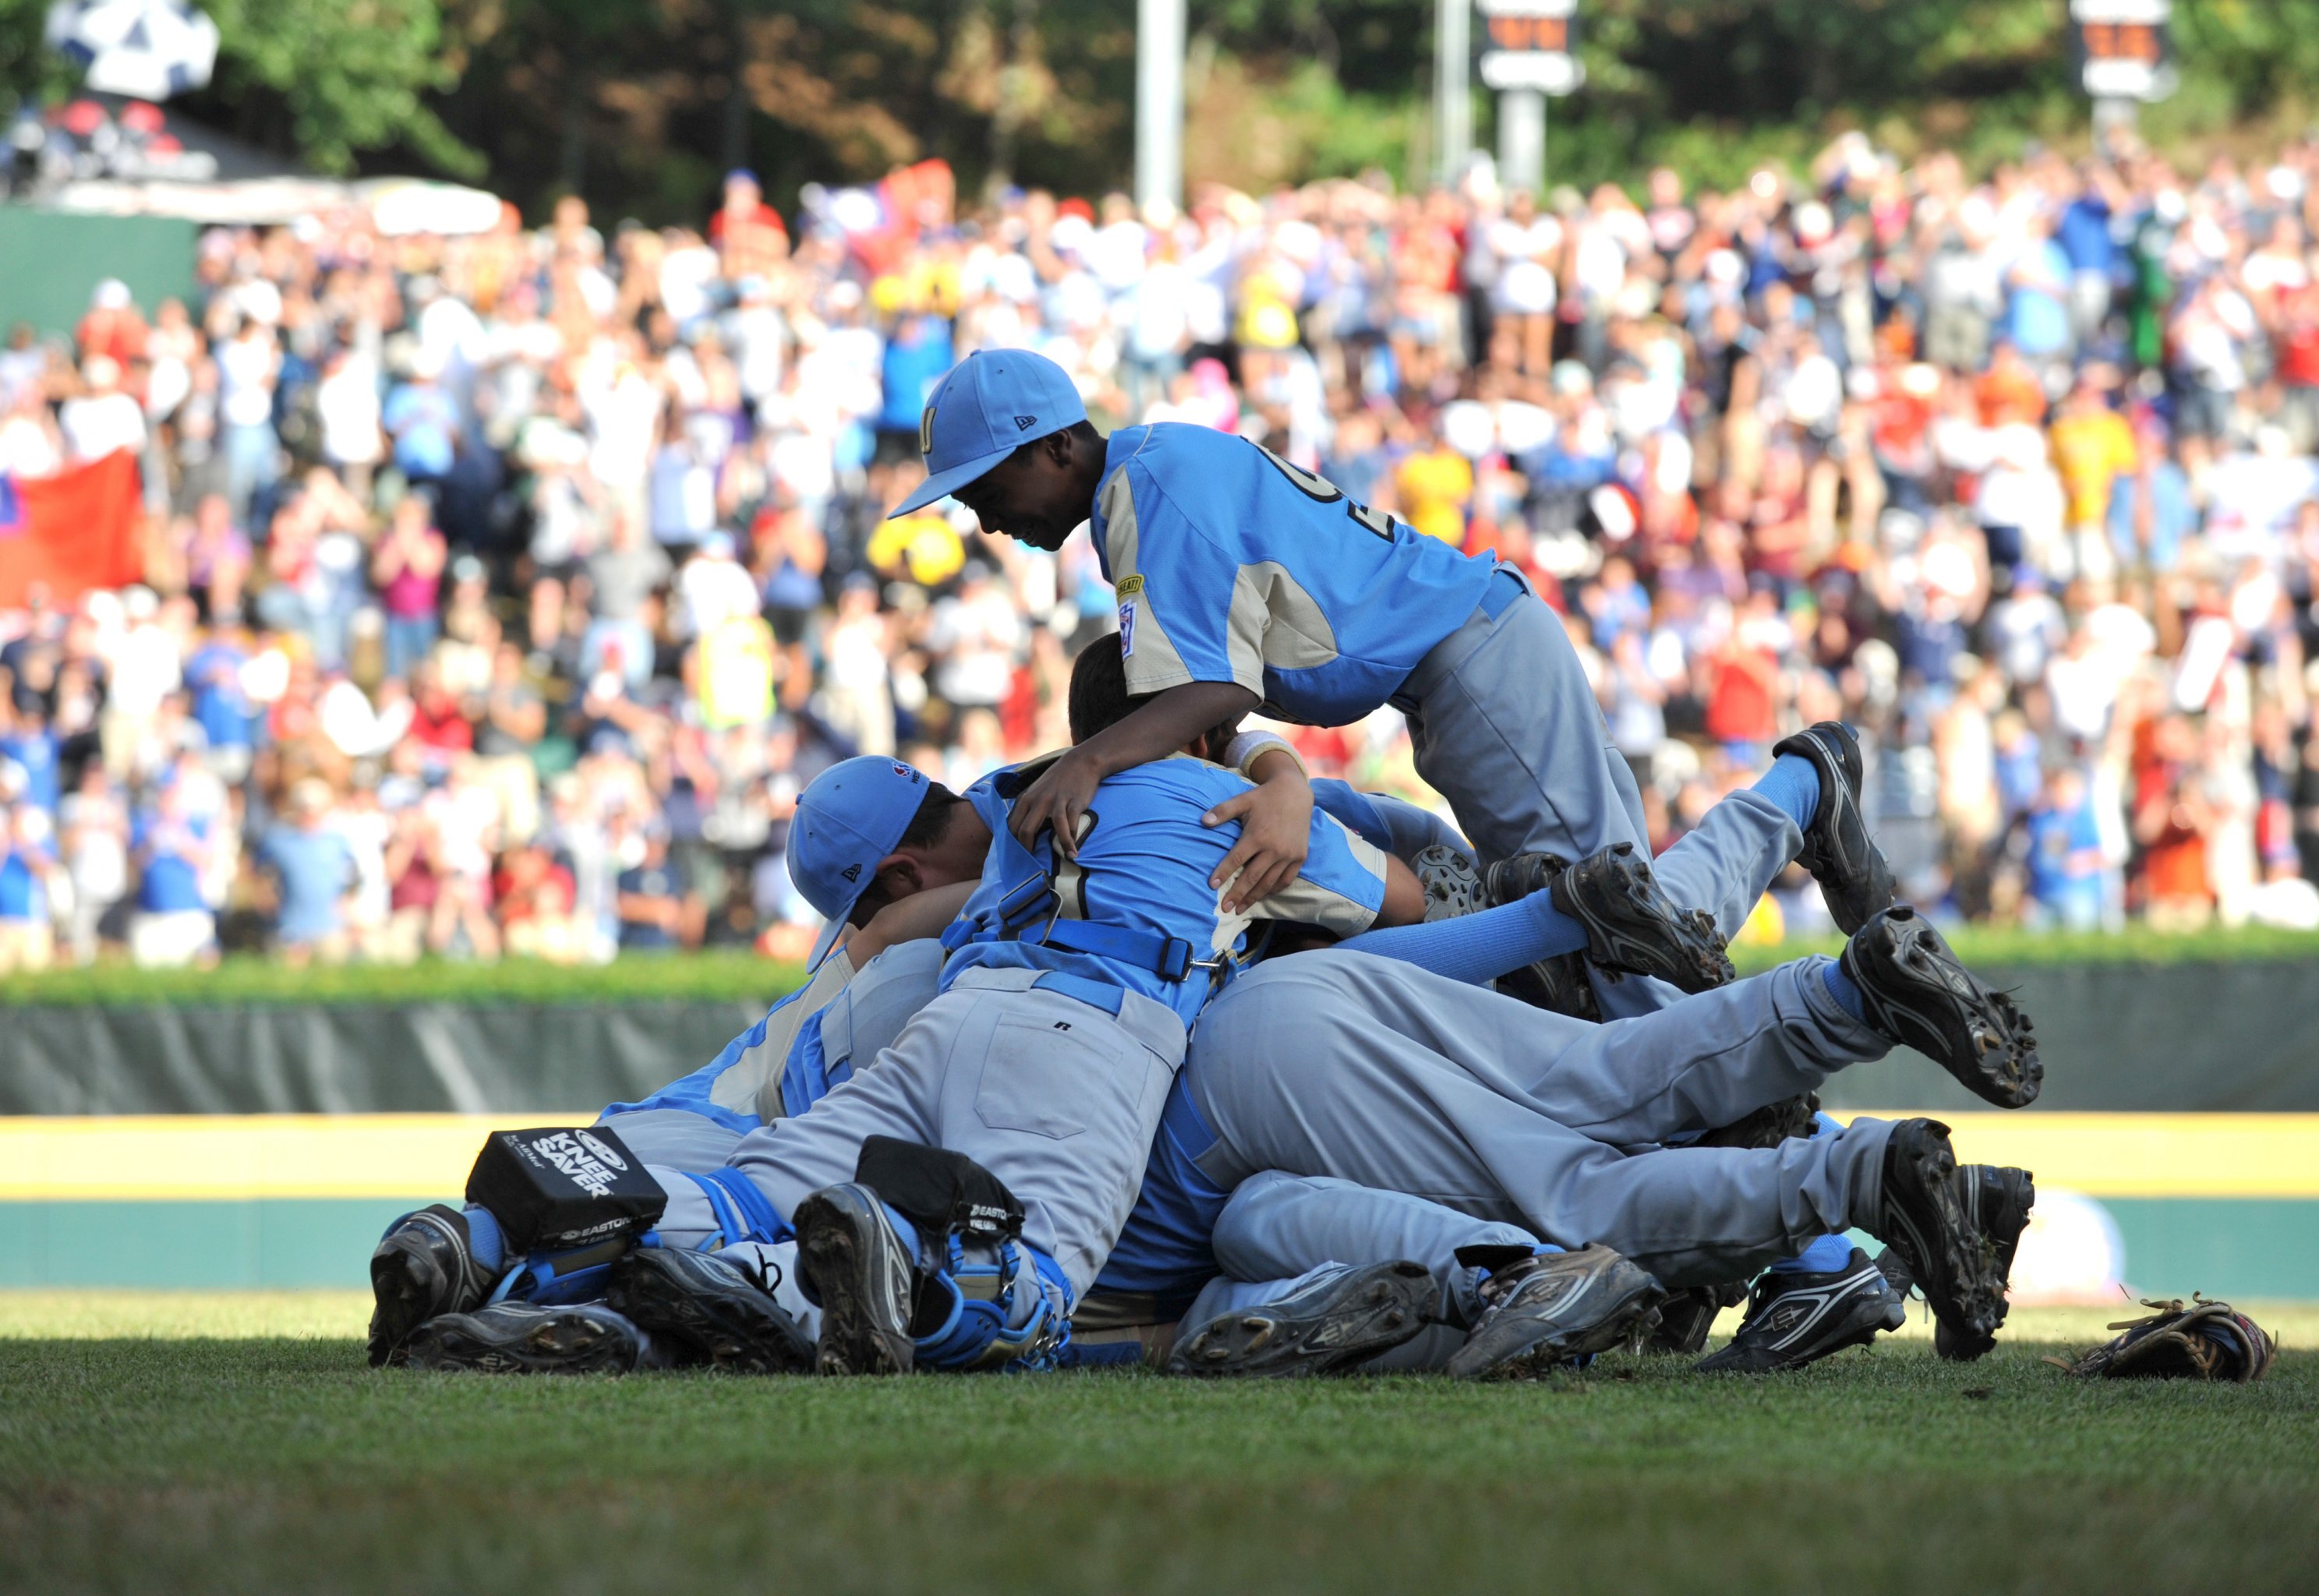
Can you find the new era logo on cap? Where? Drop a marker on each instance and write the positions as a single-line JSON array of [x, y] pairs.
[[1025, 423], [852, 873]]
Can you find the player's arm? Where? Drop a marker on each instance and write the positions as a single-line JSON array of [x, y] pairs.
[[1060, 796], [1347, 886], [910, 919], [1275, 816]]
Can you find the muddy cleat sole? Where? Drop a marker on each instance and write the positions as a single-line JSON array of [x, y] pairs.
[[1328, 1325], [1796, 1319], [524, 1339], [1924, 1221], [1915, 992], [704, 1311], [1451, 881], [423, 1266], [1553, 1310], [1997, 1203], [1634, 928], [851, 1258], [1854, 876]]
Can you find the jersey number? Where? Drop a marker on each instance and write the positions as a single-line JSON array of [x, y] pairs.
[[1328, 492]]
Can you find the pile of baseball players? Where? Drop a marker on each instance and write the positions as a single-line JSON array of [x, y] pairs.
[[1153, 1051]]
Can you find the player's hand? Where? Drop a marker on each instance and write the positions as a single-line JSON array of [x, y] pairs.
[[1057, 799], [1276, 831]]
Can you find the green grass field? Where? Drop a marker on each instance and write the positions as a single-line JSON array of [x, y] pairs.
[[164, 1444]]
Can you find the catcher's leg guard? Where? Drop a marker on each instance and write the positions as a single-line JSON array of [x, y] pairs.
[[937, 1226], [1007, 1308]]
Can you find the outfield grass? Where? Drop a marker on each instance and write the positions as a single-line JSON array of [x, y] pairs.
[[257, 1453]]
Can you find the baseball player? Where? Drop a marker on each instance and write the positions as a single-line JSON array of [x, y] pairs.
[[1245, 581]]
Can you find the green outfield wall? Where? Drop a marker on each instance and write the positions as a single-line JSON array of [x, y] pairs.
[[266, 1143]]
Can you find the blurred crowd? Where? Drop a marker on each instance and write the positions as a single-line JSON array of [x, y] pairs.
[[502, 591]]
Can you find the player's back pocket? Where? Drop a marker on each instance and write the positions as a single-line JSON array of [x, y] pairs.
[[1057, 1077]]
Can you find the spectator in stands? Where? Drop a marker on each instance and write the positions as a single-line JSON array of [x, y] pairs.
[[313, 876]]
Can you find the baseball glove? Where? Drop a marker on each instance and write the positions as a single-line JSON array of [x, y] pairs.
[[2207, 1341]]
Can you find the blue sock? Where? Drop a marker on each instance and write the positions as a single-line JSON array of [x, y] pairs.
[[1793, 783], [1840, 987], [485, 1240], [1825, 1255], [1480, 947]]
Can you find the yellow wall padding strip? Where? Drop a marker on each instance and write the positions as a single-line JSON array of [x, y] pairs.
[[2148, 1155], [421, 1156], [198, 1156]]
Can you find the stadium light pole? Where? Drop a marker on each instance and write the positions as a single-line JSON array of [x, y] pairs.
[[1159, 102], [1521, 140], [1453, 95]]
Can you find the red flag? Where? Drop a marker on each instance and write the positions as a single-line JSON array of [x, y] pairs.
[[72, 531]]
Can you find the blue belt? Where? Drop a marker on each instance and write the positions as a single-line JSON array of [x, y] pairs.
[[1500, 595], [1096, 994]]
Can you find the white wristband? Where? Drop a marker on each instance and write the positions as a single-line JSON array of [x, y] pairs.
[[1241, 752]]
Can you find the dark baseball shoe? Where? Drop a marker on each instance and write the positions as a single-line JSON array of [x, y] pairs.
[[1924, 1221], [702, 1309], [526, 1339], [1557, 985], [1790, 1119], [1796, 1319], [1997, 1201], [1915, 991], [1328, 1325], [1687, 1316], [859, 1268], [423, 1266], [1633, 927], [1838, 852], [1554, 1309]]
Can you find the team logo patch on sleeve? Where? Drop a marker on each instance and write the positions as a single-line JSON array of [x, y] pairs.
[[1131, 584], [1127, 630]]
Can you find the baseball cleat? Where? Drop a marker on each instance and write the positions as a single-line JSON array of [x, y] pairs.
[[1632, 927], [1914, 991], [1353, 1314], [526, 1339], [422, 1267], [704, 1310], [1924, 1221], [1554, 1309], [1687, 1316], [1794, 1319], [1557, 985], [863, 1272], [1838, 852], [1790, 1119], [1453, 885], [1997, 1203]]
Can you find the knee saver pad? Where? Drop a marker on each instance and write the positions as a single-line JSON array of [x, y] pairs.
[[562, 1187], [941, 1192], [964, 1310]]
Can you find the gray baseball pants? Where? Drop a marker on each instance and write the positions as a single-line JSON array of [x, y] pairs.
[[1378, 1073]]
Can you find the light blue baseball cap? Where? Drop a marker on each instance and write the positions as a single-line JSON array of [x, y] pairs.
[[848, 818], [992, 404]]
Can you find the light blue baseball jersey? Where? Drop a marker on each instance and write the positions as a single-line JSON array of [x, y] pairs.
[[1138, 893], [779, 1061], [1232, 566]]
